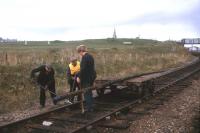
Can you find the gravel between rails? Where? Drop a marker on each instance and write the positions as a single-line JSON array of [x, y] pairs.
[[18, 115], [175, 116]]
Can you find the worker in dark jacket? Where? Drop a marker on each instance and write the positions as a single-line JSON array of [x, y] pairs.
[[72, 74], [46, 81], [87, 75]]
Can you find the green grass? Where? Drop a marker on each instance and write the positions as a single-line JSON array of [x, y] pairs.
[[92, 43], [113, 59]]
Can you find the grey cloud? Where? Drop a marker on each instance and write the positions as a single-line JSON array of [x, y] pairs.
[[191, 18]]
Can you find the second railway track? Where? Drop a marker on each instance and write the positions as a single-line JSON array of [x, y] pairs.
[[110, 108]]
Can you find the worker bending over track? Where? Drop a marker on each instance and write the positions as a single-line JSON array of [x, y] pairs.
[[45, 81]]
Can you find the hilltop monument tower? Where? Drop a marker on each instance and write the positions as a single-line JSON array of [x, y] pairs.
[[114, 34]]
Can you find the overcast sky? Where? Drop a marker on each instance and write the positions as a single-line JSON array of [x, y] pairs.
[[89, 19]]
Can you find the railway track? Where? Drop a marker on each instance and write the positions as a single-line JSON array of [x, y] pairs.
[[111, 109]]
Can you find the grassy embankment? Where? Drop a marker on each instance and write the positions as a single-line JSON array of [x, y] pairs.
[[113, 60]]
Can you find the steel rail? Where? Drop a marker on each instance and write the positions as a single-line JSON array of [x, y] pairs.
[[35, 116]]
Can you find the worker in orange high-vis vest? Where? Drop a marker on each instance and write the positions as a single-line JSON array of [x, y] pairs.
[[72, 73]]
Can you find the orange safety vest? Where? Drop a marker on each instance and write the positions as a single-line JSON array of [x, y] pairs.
[[74, 69]]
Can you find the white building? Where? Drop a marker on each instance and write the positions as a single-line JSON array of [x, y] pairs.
[[193, 44]]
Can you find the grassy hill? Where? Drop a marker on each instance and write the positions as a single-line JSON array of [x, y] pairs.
[[92, 43]]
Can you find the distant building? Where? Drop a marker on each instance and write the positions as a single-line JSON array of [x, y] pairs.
[[7, 40], [11, 40], [114, 34], [127, 43], [25, 43], [193, 44], [191, 41], [138, 37]]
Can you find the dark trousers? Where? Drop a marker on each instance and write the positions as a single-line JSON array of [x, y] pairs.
[[88, 98], [73, 85], [51, 88]]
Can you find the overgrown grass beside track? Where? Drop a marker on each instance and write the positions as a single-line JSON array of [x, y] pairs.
[[113, 60]]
